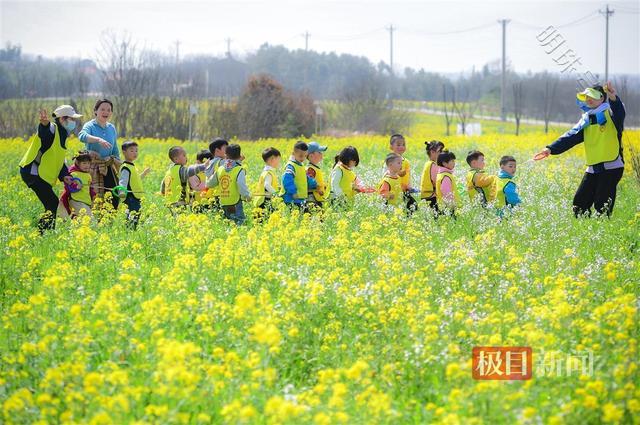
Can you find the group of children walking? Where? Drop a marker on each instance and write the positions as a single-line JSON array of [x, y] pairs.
[[218, 181]]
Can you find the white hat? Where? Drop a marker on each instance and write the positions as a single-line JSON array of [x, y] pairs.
[[66, 111]]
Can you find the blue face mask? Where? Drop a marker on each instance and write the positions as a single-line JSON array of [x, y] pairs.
[[70, 125]]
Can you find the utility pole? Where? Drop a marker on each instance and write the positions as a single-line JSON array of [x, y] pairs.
[[306, 40], [503, 82], [607, 12], [390, 28], [177, 51], [228, 40]]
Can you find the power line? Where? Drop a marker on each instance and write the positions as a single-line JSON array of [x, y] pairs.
[[435, 33]]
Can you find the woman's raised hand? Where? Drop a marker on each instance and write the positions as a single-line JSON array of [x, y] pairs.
[[103, 142], [542, 154], [44, 117]]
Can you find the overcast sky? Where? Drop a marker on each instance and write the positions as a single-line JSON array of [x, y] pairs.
[[437, 36]]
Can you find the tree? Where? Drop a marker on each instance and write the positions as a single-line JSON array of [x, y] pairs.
[[517, 104]]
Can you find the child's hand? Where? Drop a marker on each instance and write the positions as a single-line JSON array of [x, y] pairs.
[[321, 192], [145, 172], [44, 117], [402, 173], [391, 196]]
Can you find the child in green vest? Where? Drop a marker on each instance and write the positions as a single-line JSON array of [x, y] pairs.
[[231, 177], [268, 184], [174, 185], [317, 196], [481, 187], [295, 182], [446, 189], [218, 149], [506, 193], [131, 180], [430, 173], [77, 198], [344, 182], [398, 145], [390, 188]]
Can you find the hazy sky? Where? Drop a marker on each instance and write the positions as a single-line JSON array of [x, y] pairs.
[[429, 34]]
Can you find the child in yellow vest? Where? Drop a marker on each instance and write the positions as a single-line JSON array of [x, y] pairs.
[[390, 188], [446, 190], [268, 184], [202, 195], [344, 182], [318, 195], [507, 192], [481, 187], [295, 182], [430, 173], [218, 149], [175, 184], [398, 145], [131, 180], [231, 177], [77, 198]]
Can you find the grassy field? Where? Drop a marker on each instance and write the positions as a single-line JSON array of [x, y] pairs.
[[364, 317]]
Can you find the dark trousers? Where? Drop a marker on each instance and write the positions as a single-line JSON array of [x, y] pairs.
[[597, 190], [111, 180], [410, 202], [133, 211], [433, 204], [47, 197]]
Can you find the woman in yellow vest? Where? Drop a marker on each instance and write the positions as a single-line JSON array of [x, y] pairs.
[[43, 163], [430, 173], [600, 129]]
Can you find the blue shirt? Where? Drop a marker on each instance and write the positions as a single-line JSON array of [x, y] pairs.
[[510, 193], [108, 133], [289, 185]]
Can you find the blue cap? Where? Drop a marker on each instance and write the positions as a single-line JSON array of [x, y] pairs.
[[315, 147]]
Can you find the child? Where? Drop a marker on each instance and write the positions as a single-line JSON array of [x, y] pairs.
[[390, 187], [398, 146], [295, 182], [131, 179], [446, 191], [202, 196], [73, 203], [231, 177], [268, 184], [218, 149], [344, 182], [480, 185], [319, 194], [430, 173], [174, 185], [507, 194]]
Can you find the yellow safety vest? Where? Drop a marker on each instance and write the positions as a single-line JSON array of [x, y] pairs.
[[215, 191], [601, 142], [347, 181], [501, 184], [322, 186], [174, 190], [427, 189], [454, 189], [486, 194], [405, 181], [84, 194], [135, 182], [52, 159], [228, 182], [395, 188], [299, 179], [275, 183], [200, 195]]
